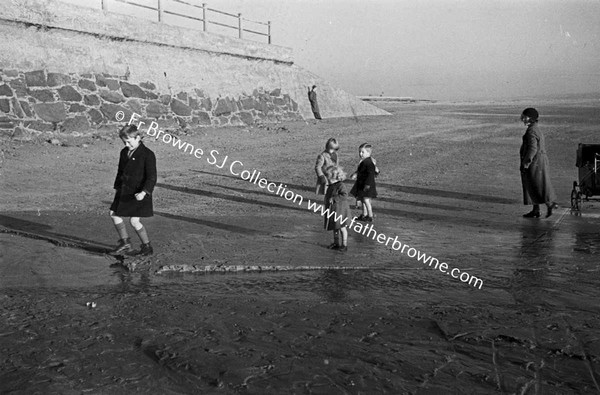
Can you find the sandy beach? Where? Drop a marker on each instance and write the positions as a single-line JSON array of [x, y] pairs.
[[268, 308]]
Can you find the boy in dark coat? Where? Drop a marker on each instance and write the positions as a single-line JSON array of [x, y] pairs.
[[134, 184], [364, 188]]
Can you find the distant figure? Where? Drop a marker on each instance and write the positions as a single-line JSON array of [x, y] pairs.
[[336, 201], [312, 98], [326, 159], [535, 168], [364, 188]]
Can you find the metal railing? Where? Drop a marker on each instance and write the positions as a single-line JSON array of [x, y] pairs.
[[204, 19]]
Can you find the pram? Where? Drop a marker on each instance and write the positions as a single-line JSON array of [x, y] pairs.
[[588, 162]]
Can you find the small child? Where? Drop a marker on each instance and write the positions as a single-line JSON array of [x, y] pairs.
[[336, 200], [353, 177], [364, 188], [136, 177]]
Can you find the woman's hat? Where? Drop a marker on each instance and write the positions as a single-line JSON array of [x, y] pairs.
[[531, 113]]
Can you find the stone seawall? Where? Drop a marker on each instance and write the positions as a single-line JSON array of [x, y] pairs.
[[41, 101], [68, 68]]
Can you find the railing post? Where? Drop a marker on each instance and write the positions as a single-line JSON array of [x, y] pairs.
[[269, 30], [105, 5], [160, 12], [204, 22], [240, 24]]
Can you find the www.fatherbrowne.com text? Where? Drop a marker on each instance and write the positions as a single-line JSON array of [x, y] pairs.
[[236, 168]]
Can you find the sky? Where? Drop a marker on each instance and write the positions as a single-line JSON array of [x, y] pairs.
[[436, 49], [440, 49]]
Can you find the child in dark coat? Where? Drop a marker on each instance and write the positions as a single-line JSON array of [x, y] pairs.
[[134, 184], [364, 188], [336, 200]]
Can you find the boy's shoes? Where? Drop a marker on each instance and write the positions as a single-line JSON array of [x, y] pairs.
[[146, 249], [123, 247], [368, 219], [534, 214], [342, 248], [333, 246]]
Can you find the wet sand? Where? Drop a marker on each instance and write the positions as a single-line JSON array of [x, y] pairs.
[[371, 320]]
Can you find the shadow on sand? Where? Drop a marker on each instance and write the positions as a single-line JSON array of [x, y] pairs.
[[238, 199], [38, 231]]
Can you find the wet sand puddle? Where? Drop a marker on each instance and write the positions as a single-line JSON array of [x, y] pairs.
[[372, 320], [391, 329]]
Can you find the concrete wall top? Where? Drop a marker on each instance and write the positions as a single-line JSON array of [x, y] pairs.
[[60, 15]]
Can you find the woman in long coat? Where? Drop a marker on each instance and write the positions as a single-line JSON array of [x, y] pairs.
[[326, 159], [535, 168]]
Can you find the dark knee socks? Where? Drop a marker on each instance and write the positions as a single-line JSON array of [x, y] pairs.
[[141, 232], [122, 230]]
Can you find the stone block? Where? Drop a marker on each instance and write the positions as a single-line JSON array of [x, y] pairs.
[[249, 103], [183, 96], [43, 95], [276, 92], [50, 112], [113, 85], [5, 105], [206, 104], [11, 73], [87, 75], [200, 93], [109, 111], [39, 126], [19, 87], [58, 79], [91, 100], [193, 103], [16, 106], [76, 124], [95, 116], [156, 110], [6, 123], [132, 90], [202, 119], [111, 96], [5, 90], [246, 117], [76, 107], [87, 85], [100, 80], [26, 108], [68, 93], [294, 106], [36, 78], [225, 106], [20, 134], [279, 102], [222, 121], [103, 81], [135, 105], [148, 85], [180, 108], [151, 96]]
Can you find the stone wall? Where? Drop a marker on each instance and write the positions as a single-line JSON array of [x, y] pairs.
[[40, 101], [68, 68]]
